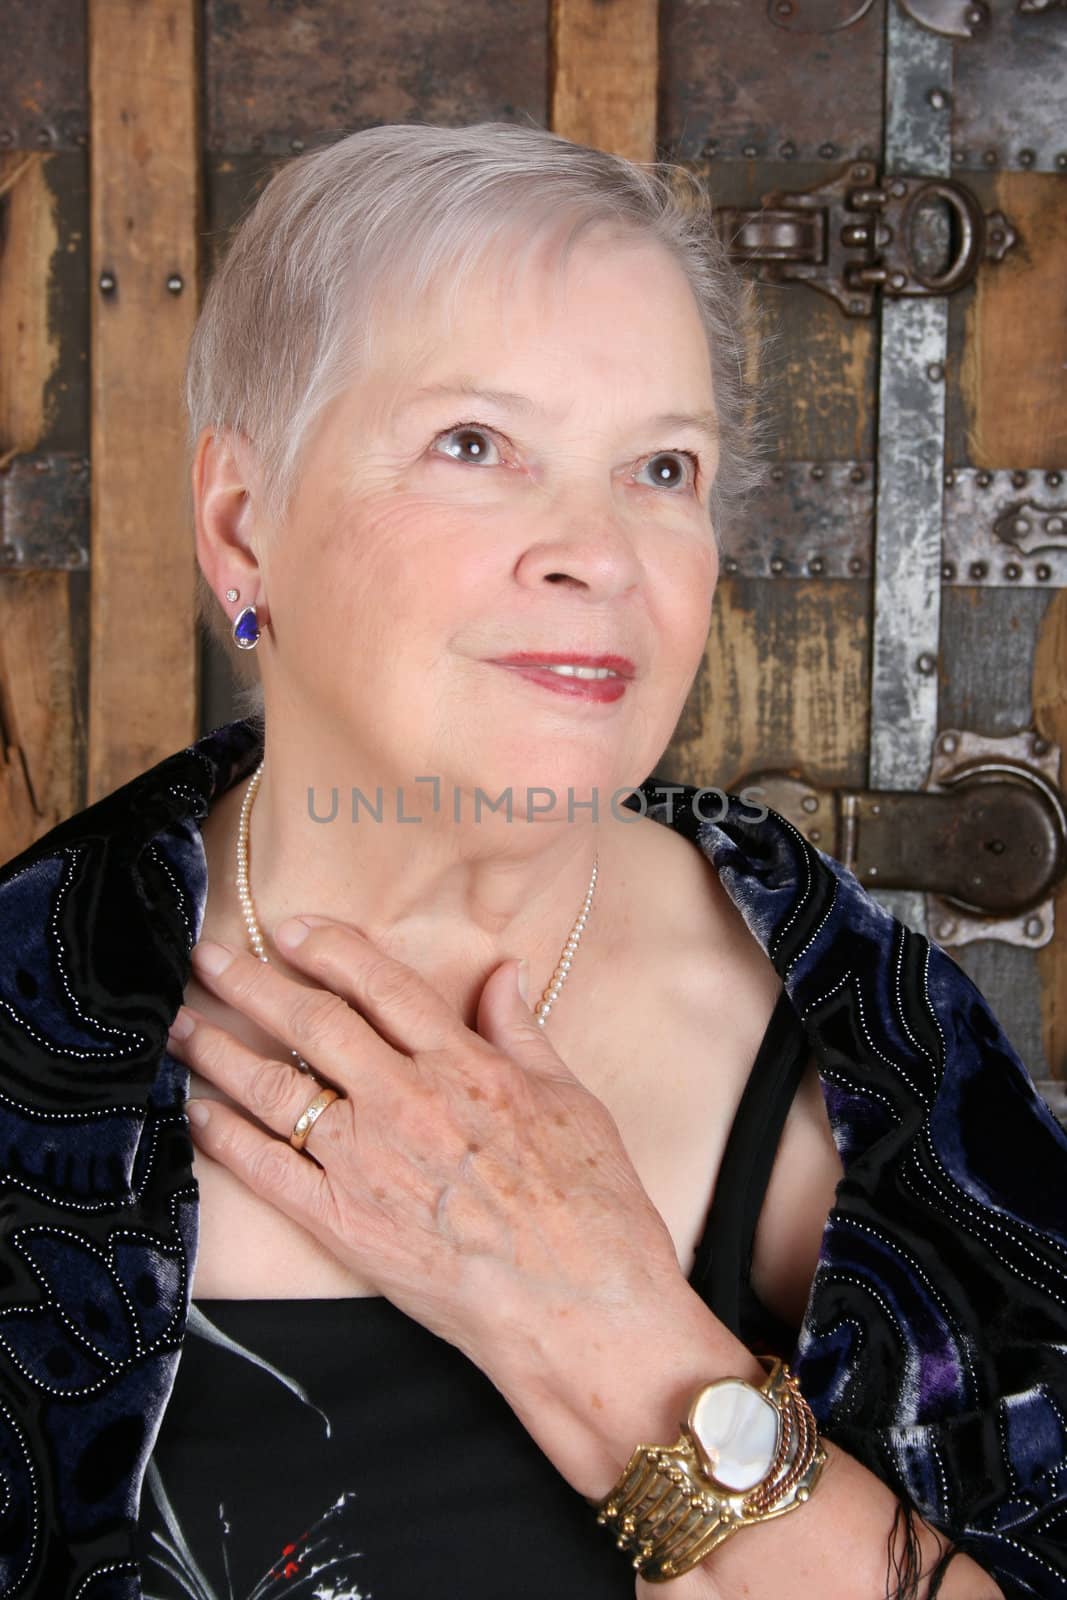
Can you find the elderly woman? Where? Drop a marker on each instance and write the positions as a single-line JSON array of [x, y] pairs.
[[479, 1017]]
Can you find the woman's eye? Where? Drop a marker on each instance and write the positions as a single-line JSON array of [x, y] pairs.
[[666, 472], [470, 442], [466, 443]]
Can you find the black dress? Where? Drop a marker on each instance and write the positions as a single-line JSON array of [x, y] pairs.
[[336, 1450]]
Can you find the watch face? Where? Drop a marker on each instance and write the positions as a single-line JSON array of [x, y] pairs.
[[735, 1429]]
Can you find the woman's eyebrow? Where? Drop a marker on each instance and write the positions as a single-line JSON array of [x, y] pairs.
[[704, 422]]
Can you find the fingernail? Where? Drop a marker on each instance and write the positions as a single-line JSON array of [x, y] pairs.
[[292, 933], [183, 1024], [197, 1112], [212, 958], [524, 980]]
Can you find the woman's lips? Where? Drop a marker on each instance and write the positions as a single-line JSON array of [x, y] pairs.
[[602, 690]]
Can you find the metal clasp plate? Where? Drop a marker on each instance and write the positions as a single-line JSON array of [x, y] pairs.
[[986, 839]]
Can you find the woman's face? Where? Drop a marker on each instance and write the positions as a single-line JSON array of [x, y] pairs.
[[522, 481]]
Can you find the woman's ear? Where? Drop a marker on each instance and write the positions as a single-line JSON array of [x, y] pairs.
[[226, 501]]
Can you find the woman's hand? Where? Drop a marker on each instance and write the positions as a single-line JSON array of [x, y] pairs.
[[468, 1175]]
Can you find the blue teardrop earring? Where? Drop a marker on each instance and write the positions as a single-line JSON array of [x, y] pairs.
[[245, 624]]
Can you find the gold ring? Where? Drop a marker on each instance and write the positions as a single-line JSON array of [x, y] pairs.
[[310, 1115]]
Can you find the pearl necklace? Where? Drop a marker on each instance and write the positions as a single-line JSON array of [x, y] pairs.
[[258, 947]]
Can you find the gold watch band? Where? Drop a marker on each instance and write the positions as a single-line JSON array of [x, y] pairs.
[[669, 1511]]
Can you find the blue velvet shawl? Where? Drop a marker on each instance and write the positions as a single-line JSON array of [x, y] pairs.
[[934, 1346]]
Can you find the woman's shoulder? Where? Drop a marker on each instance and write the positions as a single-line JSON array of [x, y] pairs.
[[117, 884], [100, 915], [98, 1193], [801, 906], [903, 1037]]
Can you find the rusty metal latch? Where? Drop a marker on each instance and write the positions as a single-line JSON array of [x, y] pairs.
[[986, 840], [856, 235]]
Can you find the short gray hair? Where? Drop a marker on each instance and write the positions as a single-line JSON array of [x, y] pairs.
[[288, 316]]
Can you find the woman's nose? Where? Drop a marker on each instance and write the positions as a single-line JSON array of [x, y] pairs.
[[591, 551]]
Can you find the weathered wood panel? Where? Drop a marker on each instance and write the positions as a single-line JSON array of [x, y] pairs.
[[1016, 330], [29, 347], [987, 658], [784, 685], [39, 757], [604, 72], [282, 78], [143, 276], [819, 371], [39, 782]]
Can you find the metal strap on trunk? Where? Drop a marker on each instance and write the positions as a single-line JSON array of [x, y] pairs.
[[911, 449]]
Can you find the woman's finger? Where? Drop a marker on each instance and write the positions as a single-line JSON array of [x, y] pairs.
[[406, 1010], [327, 1032], [271, 1168], [273, 1091], [398, 1001]]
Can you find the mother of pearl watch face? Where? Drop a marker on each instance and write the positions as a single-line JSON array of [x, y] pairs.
[[735, 1429]]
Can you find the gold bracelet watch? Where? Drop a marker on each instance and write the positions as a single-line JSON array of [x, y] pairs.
[[746, 1454]]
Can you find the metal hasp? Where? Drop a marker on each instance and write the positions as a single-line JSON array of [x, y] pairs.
[[986, 841], [856, 235]]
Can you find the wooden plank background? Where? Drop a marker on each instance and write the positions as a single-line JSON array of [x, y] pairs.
[[1014, 360], [155, 143], [145, 224], [40, 776], [604, 70]]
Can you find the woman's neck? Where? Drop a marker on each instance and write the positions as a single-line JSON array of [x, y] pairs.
[[449, 900]]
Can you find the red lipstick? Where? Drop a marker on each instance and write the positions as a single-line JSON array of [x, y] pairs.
[[535, 665]]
